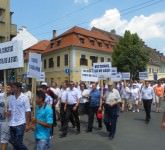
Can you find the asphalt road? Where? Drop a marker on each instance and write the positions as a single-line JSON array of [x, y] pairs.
[[132, 134]]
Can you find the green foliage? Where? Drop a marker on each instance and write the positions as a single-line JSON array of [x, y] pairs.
[[130, 55]]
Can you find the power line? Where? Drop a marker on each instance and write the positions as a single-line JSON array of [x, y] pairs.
[[68, 14], [124, 12]]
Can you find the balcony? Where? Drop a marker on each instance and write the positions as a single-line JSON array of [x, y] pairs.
[[13, 30]]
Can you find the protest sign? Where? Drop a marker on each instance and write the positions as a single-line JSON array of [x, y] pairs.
[[143, 75], [125, 75], [102, 69], [11, 55], [88, 75], [34, 66]]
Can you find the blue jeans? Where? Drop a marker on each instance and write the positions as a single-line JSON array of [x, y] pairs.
[[16, 137], [42, 144]]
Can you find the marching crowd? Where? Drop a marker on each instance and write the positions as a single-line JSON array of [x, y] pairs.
[[66, 103]]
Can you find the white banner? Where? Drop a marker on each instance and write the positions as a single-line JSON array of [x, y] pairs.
[[125, 75], [42, 77], [117, 77], [34, 66], [113, 71], [11, 55], [143, 75], [88, 75], [102, 69]]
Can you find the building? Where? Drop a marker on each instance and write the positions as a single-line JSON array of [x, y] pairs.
[[156, 64], [7, 29], [73, 50], [39, 47]]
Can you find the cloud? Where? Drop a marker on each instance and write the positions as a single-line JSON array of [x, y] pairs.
[[147, 27], [81, 1]]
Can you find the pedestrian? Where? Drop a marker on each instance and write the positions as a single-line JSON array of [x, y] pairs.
[[4, 124], [135, 97], [84, 100], [19, 108], [63, 104], [159, 94], [147, 96], [125, 95], [112, 100], [163, 121], [71, 108], [95, 105], [42, 123]]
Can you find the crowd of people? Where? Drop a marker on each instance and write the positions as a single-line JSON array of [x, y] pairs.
[[66, 103]]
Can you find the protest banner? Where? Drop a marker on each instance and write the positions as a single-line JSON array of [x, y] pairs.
[[11, 55], [103, 69], [143, 75], [34, 66], [116, 77], [88, 76], [125, 75]]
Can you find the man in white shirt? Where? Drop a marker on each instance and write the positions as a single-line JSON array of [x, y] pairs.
[[147, 96], [71, 108], [112, 99], [19, 109]]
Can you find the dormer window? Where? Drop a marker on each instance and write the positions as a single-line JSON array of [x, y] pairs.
[[92, 42], [58, 42], [51, 45], [100, 44], [82, 40]]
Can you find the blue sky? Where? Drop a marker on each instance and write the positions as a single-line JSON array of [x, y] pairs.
[[146, 17]]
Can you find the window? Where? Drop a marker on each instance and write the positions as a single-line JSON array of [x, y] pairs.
[[58, 42], [92, 42], [1, 15], [108, 59], [45, 64], [82, 41], [51, 80], [51, 63], [107, 45], [83, 56], [100, 44], [51, 45], [83, 60], [93, 59], [66, 59], [102, 59], [58, 61]]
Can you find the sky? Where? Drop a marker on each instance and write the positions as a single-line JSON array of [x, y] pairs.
[[144, 17]]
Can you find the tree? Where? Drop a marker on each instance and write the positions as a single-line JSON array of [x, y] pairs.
[[130, 55]]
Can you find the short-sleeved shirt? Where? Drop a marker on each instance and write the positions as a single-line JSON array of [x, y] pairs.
[[63, 97], [112, 97], [44, 114], [73, 96], [48, 100], [18, 107], [94, 98], [2, 107]]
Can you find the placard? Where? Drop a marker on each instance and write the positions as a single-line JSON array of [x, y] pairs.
[[143, 75], [34, 66], [88, 75], [102, 69], [125, 75], [11, 55]]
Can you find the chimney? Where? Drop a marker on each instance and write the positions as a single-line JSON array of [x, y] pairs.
[[54, 34]]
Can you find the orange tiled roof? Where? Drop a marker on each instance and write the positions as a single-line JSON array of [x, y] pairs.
[[39, 47], [72, 36]]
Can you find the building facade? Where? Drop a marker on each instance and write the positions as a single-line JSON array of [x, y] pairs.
[[75, 49], [7, 29]]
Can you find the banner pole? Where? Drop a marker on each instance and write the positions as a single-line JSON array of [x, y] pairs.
[[34, 95], [5, 84]]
